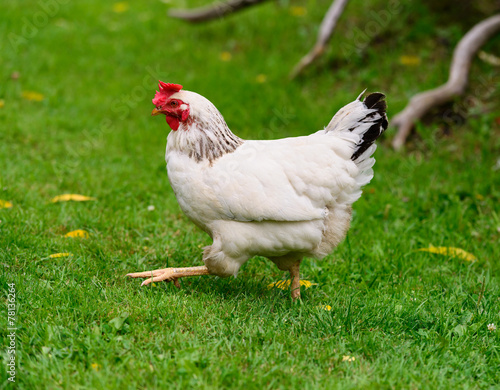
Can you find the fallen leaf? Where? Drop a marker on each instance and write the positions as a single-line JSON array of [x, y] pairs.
[[285, 284], [298, 11], [450, 251], [77, 234], [68, 197], [261, 78], [32, 95], [5, 204], [56, 255], [225, 56], [409, 60], [120, 7]]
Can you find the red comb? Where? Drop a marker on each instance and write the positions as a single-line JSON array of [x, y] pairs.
[[166, 90], [169, 87]]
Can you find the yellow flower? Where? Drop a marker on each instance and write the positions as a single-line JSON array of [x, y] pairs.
[[120, 7], [307, 283], [225, 56], [298, 11], [5, 204], [2, 103], [56, 255], [96, 366], [325, 307], [285, 284], [450, 251], [346, 358], [34, 96], [409, 60], [261, 78], [77, 233], [68, 197]]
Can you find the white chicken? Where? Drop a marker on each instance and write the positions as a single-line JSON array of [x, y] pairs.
[[284, 199]]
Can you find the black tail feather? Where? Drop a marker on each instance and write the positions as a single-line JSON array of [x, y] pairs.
[[376, 102]]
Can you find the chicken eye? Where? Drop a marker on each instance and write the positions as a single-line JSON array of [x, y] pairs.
[[173, 103]]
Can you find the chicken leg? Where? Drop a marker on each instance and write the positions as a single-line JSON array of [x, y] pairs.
[[295, 283], [169, 274]]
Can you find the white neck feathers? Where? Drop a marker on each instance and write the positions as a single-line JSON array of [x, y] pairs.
[[205, 135]]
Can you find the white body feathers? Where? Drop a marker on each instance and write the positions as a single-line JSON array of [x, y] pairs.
[[283, 199]]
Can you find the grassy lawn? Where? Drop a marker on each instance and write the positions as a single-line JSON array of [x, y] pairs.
[[76, 83]]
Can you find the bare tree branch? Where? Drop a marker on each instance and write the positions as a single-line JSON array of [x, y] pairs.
[[455, 86], [213, 11], [325, 33]]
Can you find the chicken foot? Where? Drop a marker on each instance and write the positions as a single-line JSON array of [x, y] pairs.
[[169, 274]]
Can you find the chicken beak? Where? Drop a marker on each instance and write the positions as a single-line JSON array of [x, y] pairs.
[[156, 112]]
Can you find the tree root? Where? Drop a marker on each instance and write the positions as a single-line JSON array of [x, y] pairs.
[[456, 84], [325, 33], [213, 11]]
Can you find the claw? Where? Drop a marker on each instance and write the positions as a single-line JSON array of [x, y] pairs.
[[169, 274], [159, 275]]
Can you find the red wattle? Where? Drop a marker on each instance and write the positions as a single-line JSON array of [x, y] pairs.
[[185, 114], [173, 122]]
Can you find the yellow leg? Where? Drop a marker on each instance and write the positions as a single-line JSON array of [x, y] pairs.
[[169, 274], [295, 285]]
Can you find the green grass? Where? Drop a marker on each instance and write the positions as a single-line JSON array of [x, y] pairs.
[[410, 319]]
